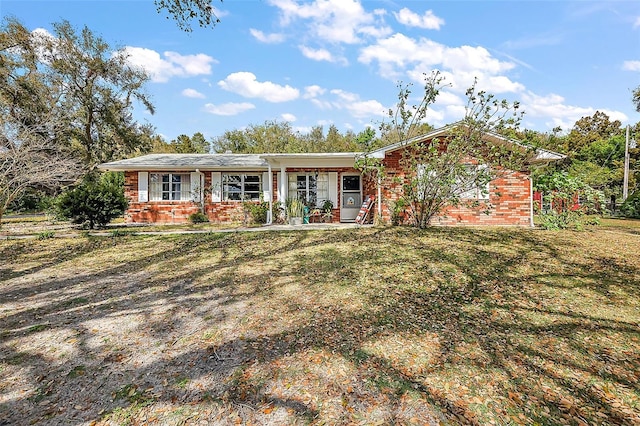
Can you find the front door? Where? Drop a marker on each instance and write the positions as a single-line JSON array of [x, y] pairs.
[[351, 197]]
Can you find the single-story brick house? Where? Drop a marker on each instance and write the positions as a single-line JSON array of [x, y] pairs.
[[167, 188]]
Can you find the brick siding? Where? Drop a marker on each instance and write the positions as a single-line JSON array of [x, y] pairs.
[[219, 212], [509, 198]]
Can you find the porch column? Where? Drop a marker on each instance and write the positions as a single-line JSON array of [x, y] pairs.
[[284, 184], [270, 212]]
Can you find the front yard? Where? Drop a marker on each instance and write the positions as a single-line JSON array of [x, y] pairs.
[[358, 326]]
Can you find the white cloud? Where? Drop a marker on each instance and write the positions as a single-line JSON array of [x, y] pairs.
[[172, 65], [553, 108], [446, 97], [43, 33], [396, 52], [631, 66], [192, 93], [289, 117], [322, 104], [303, 130], [245, 84], [335, 21], [428, 21], [636, 24], [356, 107], [313, 91], [267, 38], [398, 56], [228, 108], [467, 58], [317, 54], [41, 37]]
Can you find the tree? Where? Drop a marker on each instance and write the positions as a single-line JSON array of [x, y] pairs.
[[560, 191], [97, 90], [65, 105], [196, 144], [276, 136], [272, 136], [31, 161], [635, 98], [590, 129], [184, 11], [439, 171], [595, 153], [31, 124]]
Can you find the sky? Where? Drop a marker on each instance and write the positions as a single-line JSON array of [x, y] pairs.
[[324, 62]]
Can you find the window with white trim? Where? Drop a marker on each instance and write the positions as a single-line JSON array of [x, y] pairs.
[[312, 188], [476, 189], [169, 186], [241, 187]]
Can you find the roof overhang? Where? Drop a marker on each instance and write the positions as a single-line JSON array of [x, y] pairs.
[[540, 155], [188, 162], [312, 160]]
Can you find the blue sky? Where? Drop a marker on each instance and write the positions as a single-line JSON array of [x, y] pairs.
[[338, 62]]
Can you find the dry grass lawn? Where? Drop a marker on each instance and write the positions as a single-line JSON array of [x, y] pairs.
[[361, 326]]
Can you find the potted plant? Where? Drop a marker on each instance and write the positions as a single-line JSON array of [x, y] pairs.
[[295, 211], [327, 210]]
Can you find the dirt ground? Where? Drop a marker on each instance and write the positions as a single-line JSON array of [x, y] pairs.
[[123, 331], [463, 326]]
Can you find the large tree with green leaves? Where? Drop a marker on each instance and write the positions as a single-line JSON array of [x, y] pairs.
[[183, 144], [32, 125], [66, 103], [98, 91], [595, 148], [279, 136], [439, 171]]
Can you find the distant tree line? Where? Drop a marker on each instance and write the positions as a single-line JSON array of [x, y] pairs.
[[595, 148]]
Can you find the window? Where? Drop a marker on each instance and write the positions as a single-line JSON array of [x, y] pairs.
[[312, 188], [477, 187], [169, 187], [241, 187]]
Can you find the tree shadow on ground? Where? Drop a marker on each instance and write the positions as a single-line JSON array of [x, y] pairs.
[[474, 295]]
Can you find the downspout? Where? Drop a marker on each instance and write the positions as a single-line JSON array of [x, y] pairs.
[[531, 201], [270, 212], [379, 183], [200, 188]]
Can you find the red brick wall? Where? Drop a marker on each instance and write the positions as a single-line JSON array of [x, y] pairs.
[[177, 211], [221, 212], [509, 198]]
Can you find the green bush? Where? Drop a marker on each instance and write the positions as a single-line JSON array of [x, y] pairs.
[[198, 217], [631, 206], [32, 201], [45, 235], [398, 210], [256, 211], [567, 220], [97, 200]]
